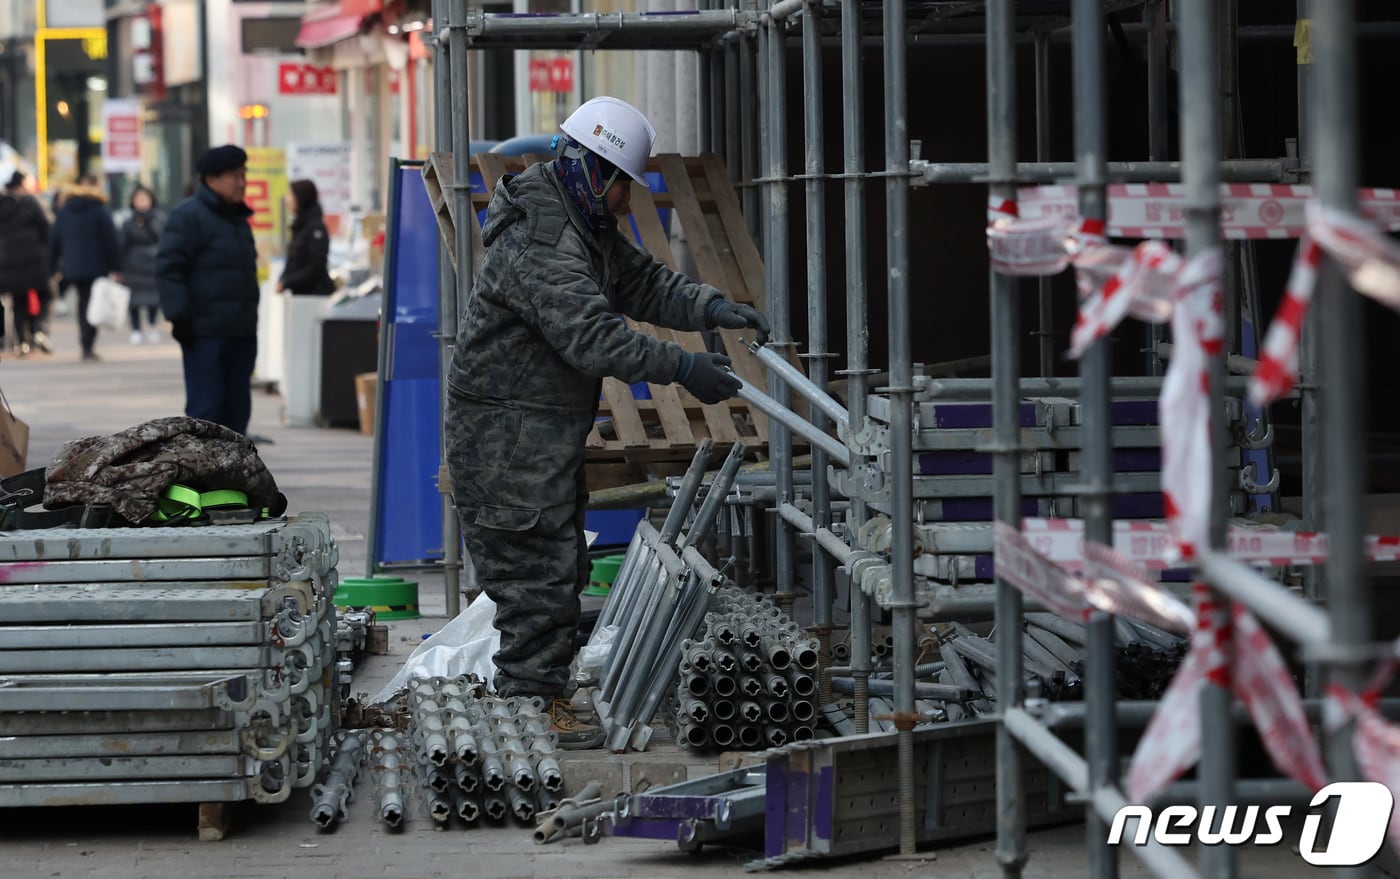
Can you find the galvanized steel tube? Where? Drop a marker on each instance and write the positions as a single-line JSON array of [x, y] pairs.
[[1335, 127], [857, 316], [1091, 146], [779, 413], [1006, 421], [686, 491], [814, 388]]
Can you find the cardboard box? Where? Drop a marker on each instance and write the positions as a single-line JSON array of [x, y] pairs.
[[366, 389]]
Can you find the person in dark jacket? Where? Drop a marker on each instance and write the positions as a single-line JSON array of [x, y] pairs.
[[207, 272], [24, 243], [305, 272], [140, 238], [541, 329], [84, 247]]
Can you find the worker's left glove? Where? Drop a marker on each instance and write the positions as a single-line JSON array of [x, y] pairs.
[[736, 315]]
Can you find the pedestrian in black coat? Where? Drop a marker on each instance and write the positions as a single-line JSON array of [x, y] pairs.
[[307, 254], [140, 238], [24, 244], [207, 272], [84, 247]]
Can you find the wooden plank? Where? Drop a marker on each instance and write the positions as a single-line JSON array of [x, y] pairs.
[[727, 206], [626, 420], [669, 411], [214, 821], [493, 168]]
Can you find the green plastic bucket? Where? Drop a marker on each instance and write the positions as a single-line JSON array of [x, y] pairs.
[[604, 573], [391, 598]]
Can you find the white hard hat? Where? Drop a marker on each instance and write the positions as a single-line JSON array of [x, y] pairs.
[[614, 130]]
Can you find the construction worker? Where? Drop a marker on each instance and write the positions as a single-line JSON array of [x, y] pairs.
[[542, 327]]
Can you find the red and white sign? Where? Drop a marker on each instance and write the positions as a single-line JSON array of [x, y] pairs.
[[305, 79], [121, 136], [1158, 210], [552, 74]]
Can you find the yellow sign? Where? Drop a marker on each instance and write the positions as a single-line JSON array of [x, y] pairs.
[[267, 187]]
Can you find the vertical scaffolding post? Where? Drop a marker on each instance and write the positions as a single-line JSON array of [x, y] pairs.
[[1200, 156], [823, 571], [1334, 132], [1006, 404], [1090, 147], [1310, 414], [901, 393], [452, 133], [1045, 300], [779, 437], [1158, 120], [733, 152], [748, 110], [857, 321]]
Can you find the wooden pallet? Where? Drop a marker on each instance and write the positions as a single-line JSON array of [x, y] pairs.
[[641, 436]]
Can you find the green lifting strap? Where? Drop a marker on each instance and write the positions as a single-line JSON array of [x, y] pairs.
[[180, 502]]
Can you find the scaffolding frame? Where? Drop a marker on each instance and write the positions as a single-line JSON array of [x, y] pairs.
[[742, 46]]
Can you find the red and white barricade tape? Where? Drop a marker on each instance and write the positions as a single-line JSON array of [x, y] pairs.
[[1372, 263], [1147, 544], [1121, 587], [1237, 653], [1018, 563], [1375, 740]]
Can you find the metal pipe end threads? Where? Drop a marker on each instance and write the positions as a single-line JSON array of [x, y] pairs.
[[750, 737], [722, 735]]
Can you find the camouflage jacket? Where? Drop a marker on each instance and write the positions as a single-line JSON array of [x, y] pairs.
[[541, 325]]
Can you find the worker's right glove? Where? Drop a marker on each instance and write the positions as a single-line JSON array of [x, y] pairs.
[[707, 376]]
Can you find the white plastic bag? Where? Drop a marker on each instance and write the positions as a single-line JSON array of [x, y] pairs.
[[592, 657], [107, 307], [464, 646]]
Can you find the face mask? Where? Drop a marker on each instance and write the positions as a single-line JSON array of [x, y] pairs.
[[583, 178]]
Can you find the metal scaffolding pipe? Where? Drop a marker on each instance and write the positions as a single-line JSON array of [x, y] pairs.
[[814, 388], [1045, 300], [1030, 173], [1201, 152], [1123, 385], [780, 414], [686, 491], [1296, 617], [901, 392], [857, 316], [824, 537], [1335, 124], [1091, 157], [785, 9], [579, 28], [1006, 421]]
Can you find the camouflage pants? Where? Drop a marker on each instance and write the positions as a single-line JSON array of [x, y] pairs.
[[518, 484]]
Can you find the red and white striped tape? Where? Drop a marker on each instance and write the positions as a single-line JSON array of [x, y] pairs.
[[1375, 740], [1147, 544], [1198, 332], [1141, 285], [1277, 371], [1018, 563], [1123, 588], [1158, 210], [1231, 651]]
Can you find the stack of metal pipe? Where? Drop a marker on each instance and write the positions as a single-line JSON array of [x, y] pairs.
[[332, 797], [480, 755], [662, 592], [202, 657], [750, 682], [392, 771]]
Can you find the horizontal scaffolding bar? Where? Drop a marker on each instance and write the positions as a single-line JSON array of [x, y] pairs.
[[799, 382], [828, 540], [1235, 171], [796, 423], [1303, 622], [598, 30]]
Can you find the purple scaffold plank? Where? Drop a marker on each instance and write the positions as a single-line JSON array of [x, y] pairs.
[[775, 805], [954, 464], [1127, 413], [973, 415], [700, 808], [823, 809], [1147, 505], [982, 568], [649, 828], [1136, 460], [798, 817]]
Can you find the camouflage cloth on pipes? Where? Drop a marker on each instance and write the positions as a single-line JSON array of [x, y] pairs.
[[540, 330], [129, 470]]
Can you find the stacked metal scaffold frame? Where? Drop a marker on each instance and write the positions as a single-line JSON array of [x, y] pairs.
[[181, 664], [872, 455]]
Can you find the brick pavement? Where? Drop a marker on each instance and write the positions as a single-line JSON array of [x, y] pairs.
[[62, 398]]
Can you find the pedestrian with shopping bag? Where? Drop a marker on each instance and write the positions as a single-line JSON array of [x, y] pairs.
[[84, 248], [24, 242]]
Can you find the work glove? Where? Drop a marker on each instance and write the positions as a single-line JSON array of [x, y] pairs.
[[707, 376], [736, 316], [182, 330]]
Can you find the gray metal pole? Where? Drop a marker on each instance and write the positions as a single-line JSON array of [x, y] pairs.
[[1158, 122], [1006, 408], [901, 392], [857, 317], [1200, 152], [1091, 155], [748, 113], [779, 312], [450, 299], [1310, 409], [1044, 299], [1335, 138], [823, 569], [733, 153]]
